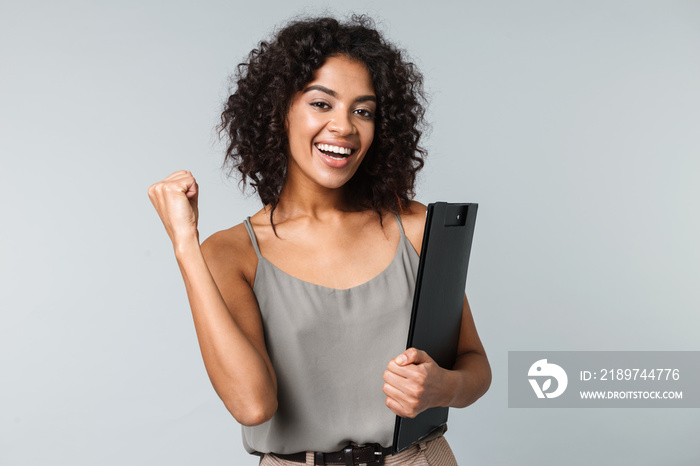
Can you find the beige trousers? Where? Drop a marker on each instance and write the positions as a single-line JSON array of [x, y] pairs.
[[435, 452]]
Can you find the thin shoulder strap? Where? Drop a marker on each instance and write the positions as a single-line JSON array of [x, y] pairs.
[[398, 220], [251, 233]]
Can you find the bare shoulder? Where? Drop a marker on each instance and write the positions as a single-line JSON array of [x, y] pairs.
[[229, 254], [413, 220]]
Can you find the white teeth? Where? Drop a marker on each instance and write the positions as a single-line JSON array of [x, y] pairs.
[[334, 149]]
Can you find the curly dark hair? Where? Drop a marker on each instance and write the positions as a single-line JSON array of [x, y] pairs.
[[253, 119]]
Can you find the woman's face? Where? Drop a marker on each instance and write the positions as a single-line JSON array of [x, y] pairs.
[[330, 124]]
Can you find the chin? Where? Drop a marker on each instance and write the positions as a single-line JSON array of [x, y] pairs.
[[334, 184]]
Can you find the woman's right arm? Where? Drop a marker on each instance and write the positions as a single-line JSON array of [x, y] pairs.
[[225, 312]]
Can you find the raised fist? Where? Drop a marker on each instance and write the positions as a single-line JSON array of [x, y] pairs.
[[175, 200]]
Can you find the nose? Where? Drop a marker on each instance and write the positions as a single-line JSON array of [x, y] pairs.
[[341, 124]]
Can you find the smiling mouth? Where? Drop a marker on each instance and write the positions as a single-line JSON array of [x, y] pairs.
[[335, 152]]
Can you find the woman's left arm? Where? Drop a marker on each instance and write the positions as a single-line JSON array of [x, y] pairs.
[[414, 382]]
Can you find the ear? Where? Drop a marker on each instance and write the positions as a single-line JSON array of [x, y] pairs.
[[286, 115]]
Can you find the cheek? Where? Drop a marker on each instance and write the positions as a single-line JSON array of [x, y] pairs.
[[369, 138], [304, 129], [297, 132]]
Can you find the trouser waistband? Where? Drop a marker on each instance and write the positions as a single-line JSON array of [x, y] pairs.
[[371, 454]]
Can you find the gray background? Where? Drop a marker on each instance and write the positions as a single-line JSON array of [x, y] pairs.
[[574, 125]]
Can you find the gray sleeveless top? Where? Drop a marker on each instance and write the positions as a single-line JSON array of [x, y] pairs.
[[329, 349]]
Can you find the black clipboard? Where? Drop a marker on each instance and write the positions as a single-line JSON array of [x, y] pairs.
[[437, 303]]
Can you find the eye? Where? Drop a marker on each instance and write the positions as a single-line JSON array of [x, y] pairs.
[[320, 105], [364, 113]]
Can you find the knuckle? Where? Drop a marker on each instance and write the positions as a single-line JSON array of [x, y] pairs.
[[415, 394]]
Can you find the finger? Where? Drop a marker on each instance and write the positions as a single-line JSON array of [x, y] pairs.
[[399, 408], [412, 356], [394, 393], [395, 401], [186, 184], [180, 178], [177, 174], [395, 407], [397, 381], [412, 387], [192, 189], [176, 178], [403, 371]]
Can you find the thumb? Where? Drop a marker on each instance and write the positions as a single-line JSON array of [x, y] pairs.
[[192, 191], [411, 356], [191, 187]]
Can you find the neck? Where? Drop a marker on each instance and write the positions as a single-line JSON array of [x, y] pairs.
[[303, 198]]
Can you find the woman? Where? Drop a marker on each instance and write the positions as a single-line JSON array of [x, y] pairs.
[[302, 310]]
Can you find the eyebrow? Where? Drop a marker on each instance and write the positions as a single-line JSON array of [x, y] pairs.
[[332, 93]]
